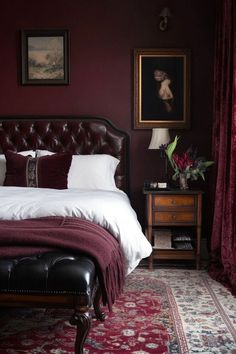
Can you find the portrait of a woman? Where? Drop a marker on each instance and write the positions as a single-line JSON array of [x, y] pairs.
[[161, 88], [163, 91]]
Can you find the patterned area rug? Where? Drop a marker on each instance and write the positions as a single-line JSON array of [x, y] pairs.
[[161, 311]]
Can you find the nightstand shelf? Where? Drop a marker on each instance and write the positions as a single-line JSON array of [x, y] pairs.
[[173, 224]]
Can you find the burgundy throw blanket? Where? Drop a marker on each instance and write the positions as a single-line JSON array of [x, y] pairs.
[[32, 236]]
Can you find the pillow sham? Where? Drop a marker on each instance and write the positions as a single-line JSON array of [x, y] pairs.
[[90, 171], [42, 172], [3, 163]]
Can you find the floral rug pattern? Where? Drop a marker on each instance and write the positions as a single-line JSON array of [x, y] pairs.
[[169, 311], [206, 308]]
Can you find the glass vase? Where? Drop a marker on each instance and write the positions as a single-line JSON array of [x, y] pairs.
[[183, 182]]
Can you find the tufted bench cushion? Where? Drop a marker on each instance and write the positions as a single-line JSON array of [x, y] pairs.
[[54, 279], [49, 273]]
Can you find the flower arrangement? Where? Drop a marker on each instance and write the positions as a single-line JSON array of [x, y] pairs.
[[187, 163]]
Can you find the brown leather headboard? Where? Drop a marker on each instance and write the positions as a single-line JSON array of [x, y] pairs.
[[80, 135]]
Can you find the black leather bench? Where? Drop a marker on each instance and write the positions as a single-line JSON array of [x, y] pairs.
[[55, 279]]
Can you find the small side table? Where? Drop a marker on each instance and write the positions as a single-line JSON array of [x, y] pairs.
[[180, 212]]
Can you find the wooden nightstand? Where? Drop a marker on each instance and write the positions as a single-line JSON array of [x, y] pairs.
[[173, 224]]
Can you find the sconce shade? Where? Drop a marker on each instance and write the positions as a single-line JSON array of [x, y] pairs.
[[165, 12], [164, 15], [159, 137]]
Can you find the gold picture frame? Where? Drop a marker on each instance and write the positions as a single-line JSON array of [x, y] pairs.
[[161, 88]]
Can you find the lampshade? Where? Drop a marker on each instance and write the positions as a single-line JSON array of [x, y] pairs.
[[159, 136]]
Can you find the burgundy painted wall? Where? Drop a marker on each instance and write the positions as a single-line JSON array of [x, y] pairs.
[[103, 35]]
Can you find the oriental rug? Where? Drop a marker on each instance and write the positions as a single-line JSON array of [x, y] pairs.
[[161, 311]]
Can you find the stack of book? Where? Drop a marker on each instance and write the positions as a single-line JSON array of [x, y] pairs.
[[182, 241]]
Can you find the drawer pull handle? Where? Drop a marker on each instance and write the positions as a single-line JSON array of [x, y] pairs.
[[174, 217], [173, 201]]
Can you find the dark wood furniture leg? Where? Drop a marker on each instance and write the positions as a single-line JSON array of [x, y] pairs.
[[82, 318], [83, 322]]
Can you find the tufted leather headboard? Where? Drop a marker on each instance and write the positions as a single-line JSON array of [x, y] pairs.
[[80, 135]]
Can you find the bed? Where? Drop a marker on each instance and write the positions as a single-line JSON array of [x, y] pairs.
[[87, 195]]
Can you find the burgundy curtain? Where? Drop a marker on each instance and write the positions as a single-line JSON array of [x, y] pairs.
[[223, 240]]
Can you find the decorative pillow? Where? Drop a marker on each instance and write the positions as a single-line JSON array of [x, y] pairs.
[[3, 163], [42, 172], [90, 171]]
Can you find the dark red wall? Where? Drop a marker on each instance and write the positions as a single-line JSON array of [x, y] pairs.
[[103, 35]]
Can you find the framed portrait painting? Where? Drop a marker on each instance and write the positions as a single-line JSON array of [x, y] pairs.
[[44, 57], [161, 88]]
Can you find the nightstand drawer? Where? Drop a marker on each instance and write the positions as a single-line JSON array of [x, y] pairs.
[[172, 202], [164, 217]]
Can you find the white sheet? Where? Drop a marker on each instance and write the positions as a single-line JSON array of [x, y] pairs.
[[110, 209]]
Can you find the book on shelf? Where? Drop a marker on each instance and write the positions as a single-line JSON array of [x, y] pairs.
[[162, 239], [183, 245], [182, 237]]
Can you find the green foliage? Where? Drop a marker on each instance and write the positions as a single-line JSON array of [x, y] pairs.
[[187, 163], [170, 149]]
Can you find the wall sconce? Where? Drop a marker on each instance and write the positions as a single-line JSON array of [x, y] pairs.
[[164, 15]]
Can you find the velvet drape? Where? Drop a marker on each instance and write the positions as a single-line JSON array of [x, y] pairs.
[[223, 239]]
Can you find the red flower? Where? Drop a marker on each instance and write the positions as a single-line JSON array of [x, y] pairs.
[[182, 162]]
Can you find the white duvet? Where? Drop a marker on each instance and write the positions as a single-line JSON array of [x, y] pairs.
[[112, 210]]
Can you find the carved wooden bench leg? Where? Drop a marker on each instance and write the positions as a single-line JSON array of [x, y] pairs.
[[96, 305], [83, 322]]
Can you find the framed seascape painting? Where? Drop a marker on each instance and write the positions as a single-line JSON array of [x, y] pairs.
[[161, 88], [44, 57]]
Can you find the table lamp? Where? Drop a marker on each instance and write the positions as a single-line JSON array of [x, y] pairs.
[[160, 137]]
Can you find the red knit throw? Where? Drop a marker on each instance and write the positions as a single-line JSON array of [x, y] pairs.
[[32, 236]]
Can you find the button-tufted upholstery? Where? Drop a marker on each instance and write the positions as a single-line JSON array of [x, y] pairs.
[[78, 135], [53, 279], [49, 273]]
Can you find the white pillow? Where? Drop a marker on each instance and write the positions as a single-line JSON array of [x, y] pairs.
[[3, 163], [90, 171]]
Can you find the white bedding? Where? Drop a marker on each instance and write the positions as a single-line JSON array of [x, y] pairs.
[[110, 209]]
